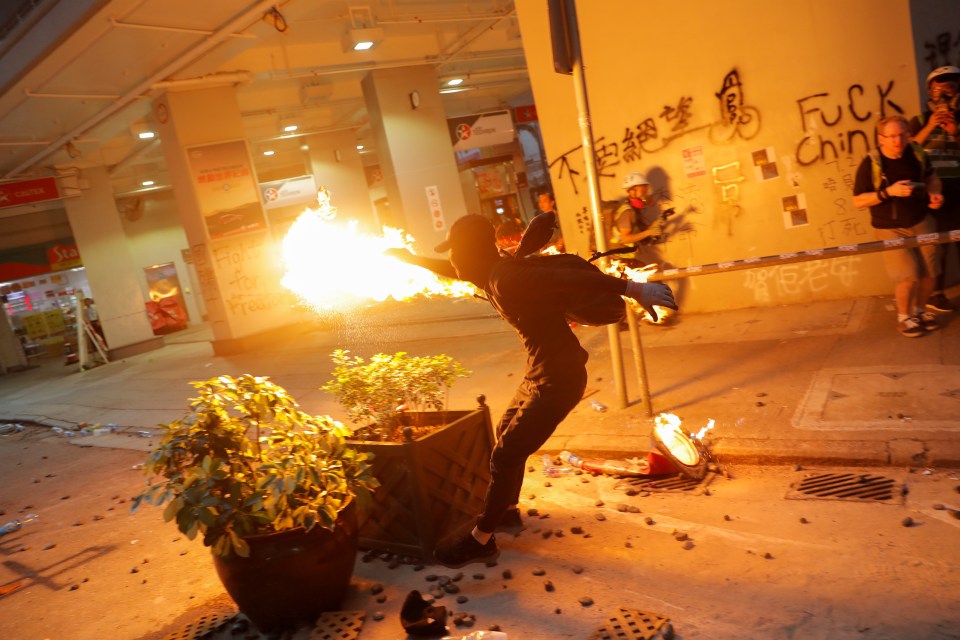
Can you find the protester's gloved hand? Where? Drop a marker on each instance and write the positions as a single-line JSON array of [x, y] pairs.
[[649, 294]]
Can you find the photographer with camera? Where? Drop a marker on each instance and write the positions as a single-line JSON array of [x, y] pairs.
[[936, 130], [900, 187]]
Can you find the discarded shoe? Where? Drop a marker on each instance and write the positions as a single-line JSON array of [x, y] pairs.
[[420, 618], [466, 550]]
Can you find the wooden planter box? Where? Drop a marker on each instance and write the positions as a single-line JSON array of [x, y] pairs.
[[430, 488]]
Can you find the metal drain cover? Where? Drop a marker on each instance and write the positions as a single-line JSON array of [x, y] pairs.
[[854, 487], [207, 623], [338, 625], [630, 624], [672, 484]]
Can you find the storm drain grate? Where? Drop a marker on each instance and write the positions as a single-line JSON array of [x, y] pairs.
[[338, 625], [629, 624], [673, 484], [856, 487], [224, 624], [202, 626]]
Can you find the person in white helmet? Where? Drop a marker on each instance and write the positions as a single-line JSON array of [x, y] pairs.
[[936, 131], [629, 226]]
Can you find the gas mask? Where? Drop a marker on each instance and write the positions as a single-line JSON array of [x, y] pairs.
[[943, 97]]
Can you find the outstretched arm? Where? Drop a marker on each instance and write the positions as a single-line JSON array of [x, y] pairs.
[[439, 266], [550, 281]]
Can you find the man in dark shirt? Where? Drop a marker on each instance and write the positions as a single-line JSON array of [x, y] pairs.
[[532, 296], [900, 187], [936, 130]]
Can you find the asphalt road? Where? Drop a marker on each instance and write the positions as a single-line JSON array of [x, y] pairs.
[[735, 557]]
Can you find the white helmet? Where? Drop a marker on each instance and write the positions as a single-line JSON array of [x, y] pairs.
[[635, 179], [943, 71]]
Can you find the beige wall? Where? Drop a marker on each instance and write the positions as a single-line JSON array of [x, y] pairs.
[[414, 149], [809, 76]]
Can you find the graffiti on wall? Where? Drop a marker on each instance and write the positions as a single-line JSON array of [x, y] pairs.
[[736, 118], [245, 290], [727, 179], [943, 50], [801, 279], [832, 126], [655, 133], [844, 224]]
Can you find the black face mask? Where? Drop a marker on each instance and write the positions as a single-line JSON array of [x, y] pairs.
[[945, 99]]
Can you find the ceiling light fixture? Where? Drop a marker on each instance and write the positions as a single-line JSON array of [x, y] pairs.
[[459, 89], [453, 82], [147, 183], [268, 152], [362, 39], [359, 147], [142, 130]]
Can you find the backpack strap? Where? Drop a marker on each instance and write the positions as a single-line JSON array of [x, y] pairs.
[[876, 167], [876, 170]]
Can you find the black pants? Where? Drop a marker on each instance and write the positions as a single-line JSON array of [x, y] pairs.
[[948, 219], [530, 419]]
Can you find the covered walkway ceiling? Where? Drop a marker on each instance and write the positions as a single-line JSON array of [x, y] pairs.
[[77, 77]]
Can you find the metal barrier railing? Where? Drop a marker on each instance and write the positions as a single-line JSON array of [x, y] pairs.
[[942, 237]]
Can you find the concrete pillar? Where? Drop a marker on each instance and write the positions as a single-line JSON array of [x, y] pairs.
[[110, 267], [336, 165], [236, 259], [416, 155]]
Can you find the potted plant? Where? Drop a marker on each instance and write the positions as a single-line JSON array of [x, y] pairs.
[[433, 464], [272, 490]]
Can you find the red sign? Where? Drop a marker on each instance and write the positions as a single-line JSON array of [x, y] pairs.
[[527, 113], [63, 256], [13, 194]]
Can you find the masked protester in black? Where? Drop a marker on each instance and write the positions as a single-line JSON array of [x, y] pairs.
[[532, 295]]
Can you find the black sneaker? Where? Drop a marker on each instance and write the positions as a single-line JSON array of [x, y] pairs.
[[928, 321], [910, 327], [511, 522], [466, 550], [939, 302]]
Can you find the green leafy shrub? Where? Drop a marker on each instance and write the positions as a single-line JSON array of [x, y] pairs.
[[246, 461], [379, 393]]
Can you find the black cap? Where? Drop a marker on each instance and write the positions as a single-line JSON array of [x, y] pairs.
[[470, 230]]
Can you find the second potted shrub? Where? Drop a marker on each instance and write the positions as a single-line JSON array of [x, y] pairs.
[[433, 464]]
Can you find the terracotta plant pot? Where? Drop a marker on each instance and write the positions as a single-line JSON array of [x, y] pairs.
[[293, 576], [430, 488]]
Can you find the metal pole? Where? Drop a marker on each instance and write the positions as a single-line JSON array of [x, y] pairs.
[[593, 185], [639, 360]]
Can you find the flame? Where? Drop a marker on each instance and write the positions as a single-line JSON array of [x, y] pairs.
[[620, 269], [699, 434], [667, 427], [332, 264]]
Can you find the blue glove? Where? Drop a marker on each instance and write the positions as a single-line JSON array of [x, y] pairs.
[[650, 294]]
